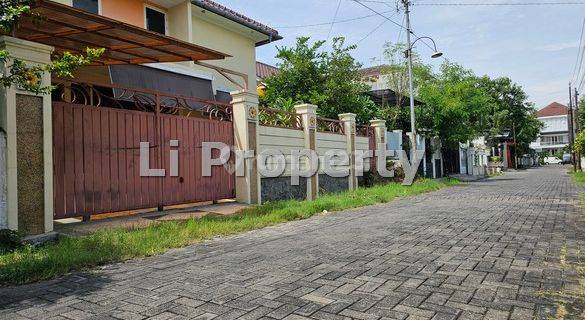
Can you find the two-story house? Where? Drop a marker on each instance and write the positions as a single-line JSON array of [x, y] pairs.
[[554, 135], [202, 22], [164, 79]]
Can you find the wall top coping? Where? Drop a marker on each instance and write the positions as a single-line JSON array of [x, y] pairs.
[[243, 96], [378, 123], [306, 109], [27, 50], [347, 117]]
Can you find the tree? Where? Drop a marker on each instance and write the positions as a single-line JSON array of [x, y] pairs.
[[28, 77], [327, 79], [395, 73], [511, 112], [579, 145], [459, 106], [454, 105]]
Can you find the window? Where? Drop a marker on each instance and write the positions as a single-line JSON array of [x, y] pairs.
[[92, 6], [156, 21]]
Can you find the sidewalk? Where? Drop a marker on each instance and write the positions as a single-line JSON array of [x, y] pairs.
[[145, 218], [467, 177]]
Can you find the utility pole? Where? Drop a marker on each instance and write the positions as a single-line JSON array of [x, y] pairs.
[[410, 82], [578, 126], [571, 130], [515, 146]]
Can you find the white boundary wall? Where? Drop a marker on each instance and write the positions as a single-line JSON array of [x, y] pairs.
[[281, 139]]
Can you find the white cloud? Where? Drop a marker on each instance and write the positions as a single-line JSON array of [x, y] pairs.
[[559, 46]]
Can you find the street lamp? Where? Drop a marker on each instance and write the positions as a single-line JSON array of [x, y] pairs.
[[408, 53], [436, 53]]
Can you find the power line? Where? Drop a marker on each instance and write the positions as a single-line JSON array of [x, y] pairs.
[[580, 53], [400, 32], [378, 13], [394, 22], [459, 4], [376, 28], [334, 18], [372, 31], [330, 22]]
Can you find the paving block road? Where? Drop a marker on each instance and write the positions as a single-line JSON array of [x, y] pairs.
[[502, 248]]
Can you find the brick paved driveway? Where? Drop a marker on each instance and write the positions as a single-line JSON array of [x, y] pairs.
[[485, 250]]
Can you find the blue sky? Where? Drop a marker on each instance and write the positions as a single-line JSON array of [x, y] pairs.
[[536, 46]]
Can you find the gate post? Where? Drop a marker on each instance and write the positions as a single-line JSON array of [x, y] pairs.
[[308, 113], [245, 120], [26, 147], [348, 120], [379, 127]]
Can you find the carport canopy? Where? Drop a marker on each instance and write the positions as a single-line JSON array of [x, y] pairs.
[[70, 29]]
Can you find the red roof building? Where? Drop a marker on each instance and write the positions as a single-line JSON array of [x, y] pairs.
[[264, 70], [553, 109]]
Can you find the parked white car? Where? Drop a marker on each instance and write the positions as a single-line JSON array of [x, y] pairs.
[[552, 160]]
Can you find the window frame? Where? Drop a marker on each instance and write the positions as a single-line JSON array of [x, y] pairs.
[[99, 7], [146, 7]]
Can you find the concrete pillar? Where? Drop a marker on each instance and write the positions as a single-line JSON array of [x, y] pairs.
[[245, 120], [308, 113], [379, 136], [26, 125], [349, 127], [505, 155]]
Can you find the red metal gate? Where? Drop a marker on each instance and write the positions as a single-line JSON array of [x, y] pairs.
[[96, 150]]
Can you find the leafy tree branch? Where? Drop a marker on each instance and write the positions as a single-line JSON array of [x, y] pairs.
[[28, 77]]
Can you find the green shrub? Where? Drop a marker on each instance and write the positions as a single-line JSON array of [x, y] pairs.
[[9, 241], [496, 159]]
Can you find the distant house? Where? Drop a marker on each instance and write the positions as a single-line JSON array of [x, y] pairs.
[[380, 91], [264, 71], [554, 136]]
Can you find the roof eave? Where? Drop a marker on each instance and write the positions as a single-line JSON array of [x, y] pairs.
[[269, 40], [272, 36]]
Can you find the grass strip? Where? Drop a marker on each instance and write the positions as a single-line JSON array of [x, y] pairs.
[[30, 264]]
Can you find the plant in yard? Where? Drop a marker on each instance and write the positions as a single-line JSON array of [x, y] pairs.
[[579, 145], [29, 77], [9, 241], [328, 79]]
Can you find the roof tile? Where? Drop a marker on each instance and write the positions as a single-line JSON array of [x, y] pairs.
[[553, 109], [237, 17]]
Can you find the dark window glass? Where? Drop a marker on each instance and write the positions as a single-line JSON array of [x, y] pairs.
[[155, 21], [87, 5]]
